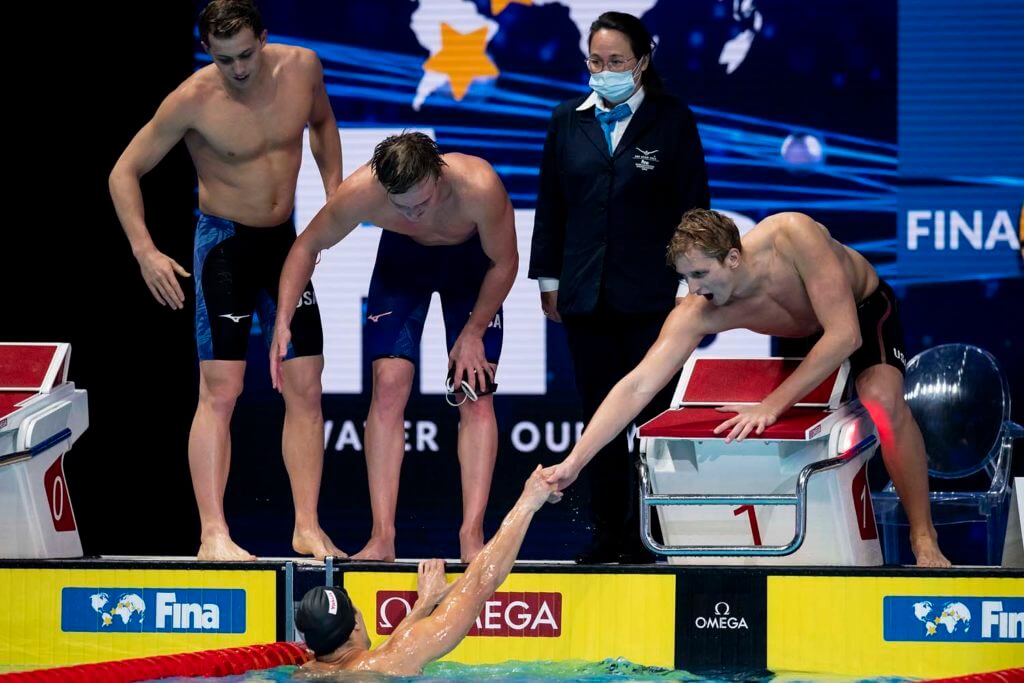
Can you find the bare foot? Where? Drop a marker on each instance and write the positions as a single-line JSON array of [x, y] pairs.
[[926, 551], [316, 543], [470, 544], [220, 548], [377, 549]]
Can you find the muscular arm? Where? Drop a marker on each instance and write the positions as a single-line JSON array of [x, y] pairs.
[[332, 223], [831, 295], [324, 140], [686, 326], [431, 589], [151, 144], [497, 228], [429, 638]]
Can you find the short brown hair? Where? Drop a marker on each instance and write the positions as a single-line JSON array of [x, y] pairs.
[[402, 161], [711, 232], [225, 18]]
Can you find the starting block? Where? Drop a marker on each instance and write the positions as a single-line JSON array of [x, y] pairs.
[[797, 494], [41, 416]]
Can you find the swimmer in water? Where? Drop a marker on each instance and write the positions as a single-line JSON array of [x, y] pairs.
[[442, 616]]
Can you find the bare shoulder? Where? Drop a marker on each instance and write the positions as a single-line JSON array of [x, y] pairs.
[[293, 55], [362, 181], [195, 92], [792, 233], [793, 225], [696, 315], [393, 656], [484, 197], [358, 199], [475, 175], [359, 194], [203, 82], [295, 63]]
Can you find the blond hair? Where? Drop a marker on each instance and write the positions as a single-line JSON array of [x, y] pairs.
[[713, 233]]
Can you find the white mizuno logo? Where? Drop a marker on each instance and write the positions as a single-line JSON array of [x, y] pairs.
[[233, 318], [646, 153], [375, 318]]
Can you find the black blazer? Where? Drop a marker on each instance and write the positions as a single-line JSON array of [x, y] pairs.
[[604, 221]]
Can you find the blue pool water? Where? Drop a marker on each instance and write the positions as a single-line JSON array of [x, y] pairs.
[[607, 671]]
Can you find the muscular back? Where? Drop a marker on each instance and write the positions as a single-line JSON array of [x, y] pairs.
[[781, 304], [469, 183], [247, 147]]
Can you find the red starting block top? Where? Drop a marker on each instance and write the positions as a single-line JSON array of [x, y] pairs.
[[32, 367], [29, 369], [707, 383], [723, 381], [699, 423]]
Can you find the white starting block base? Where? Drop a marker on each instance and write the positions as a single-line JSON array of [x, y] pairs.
[[840, 520], [684, 458], [42, 416]]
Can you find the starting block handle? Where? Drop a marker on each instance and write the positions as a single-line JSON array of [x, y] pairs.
[[18, 456], [799, 499], [706, 499]]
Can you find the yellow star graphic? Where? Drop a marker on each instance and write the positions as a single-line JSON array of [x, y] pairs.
[[463, 57], [498, 6]]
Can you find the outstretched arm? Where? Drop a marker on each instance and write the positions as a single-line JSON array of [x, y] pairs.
[[147, 148], [682, 332], [409, 649]]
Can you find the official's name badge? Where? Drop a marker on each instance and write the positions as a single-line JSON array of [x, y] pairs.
[[645, 160]]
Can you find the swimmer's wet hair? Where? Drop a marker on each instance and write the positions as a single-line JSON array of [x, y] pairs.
[[401, 162], [711, 232], [225, 18]]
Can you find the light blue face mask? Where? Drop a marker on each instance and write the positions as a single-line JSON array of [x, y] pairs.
[[614, 86]]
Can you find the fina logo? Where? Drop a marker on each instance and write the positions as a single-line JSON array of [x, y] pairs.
[[721, 620], [153, 610], [204, 616], [945, 619], [953, 230], [999, 623]]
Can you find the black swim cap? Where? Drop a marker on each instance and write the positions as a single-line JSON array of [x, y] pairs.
[[326, 618]]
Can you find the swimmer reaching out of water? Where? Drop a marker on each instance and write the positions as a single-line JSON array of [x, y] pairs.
[[442, 616]]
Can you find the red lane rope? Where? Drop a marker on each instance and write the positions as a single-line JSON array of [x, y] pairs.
[[224, 662], [1004, 676], [238, 660]]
